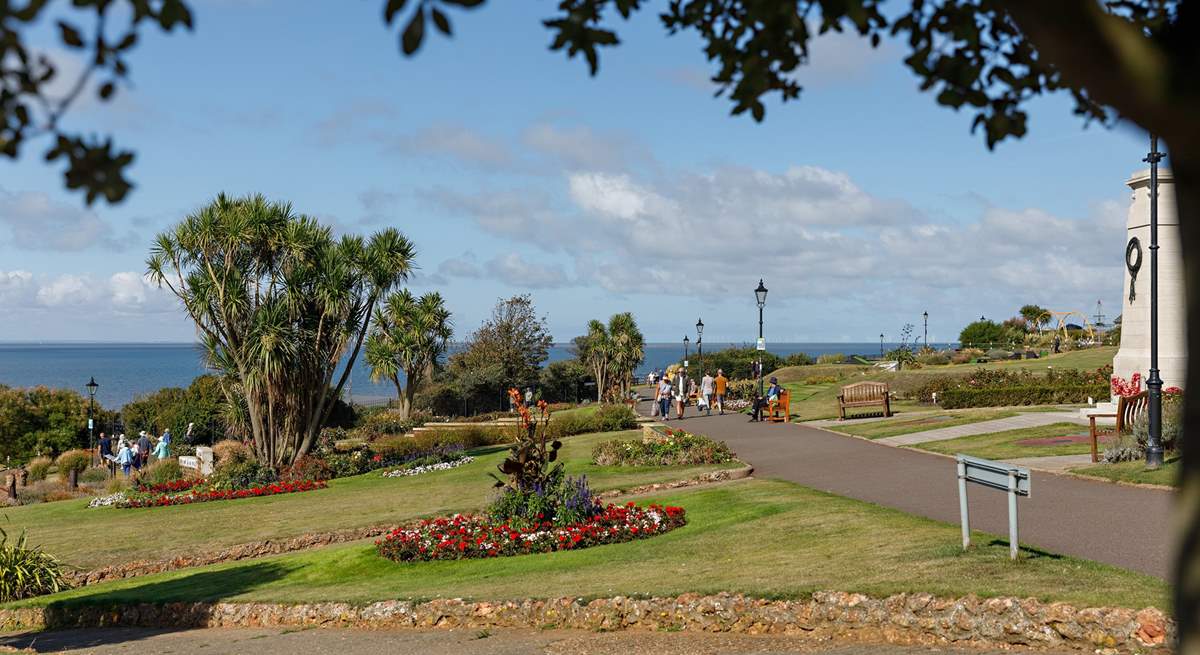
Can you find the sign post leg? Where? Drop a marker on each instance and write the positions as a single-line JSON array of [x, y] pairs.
[[1012, 515], [962, 505]]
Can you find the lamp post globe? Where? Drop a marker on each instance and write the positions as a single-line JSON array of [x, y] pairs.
[[91, 387]]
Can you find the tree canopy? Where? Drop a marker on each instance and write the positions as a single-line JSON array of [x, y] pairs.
[[278, 302], [408, 337]]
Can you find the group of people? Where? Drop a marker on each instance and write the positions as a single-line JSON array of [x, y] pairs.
[[680, 388], [133, 454]]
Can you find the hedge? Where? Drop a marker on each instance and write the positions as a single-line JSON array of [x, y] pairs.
[[1021, 395]]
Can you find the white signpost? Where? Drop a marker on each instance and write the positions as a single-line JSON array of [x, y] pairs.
[[761, 344], [1012, 479]]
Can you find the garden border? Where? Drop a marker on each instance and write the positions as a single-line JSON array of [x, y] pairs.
[[901, 618]]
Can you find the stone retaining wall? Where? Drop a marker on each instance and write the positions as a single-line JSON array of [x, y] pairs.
[[903, 618]]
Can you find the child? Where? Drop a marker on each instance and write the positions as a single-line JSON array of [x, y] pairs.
[[125, 457]]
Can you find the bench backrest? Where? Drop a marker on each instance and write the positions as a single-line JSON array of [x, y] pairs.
[[1129, 408], [864, 391]]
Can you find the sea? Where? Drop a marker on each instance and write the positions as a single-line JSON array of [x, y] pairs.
[[125, 371]]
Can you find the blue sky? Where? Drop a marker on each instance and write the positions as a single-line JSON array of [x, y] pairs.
[[861, 205]]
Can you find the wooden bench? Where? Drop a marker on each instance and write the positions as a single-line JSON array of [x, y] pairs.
[[779, 411], [1129, 408], [864, 394]]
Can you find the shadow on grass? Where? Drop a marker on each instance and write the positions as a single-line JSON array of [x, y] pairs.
[[175, 598]]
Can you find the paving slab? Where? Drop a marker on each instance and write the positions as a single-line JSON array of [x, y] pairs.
[[1121, 525]]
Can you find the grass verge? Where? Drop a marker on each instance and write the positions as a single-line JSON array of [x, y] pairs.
[[1004, 445], [90, 538], [929, 421], [759, 537], [1166, 475]]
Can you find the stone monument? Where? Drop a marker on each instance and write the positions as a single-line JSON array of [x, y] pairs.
[[1134, 353]]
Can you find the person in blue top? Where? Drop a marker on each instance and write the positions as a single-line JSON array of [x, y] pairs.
[[125, 457], [162, 449], [166, 435]]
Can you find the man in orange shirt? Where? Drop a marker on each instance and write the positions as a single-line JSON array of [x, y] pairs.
[[720, 383]]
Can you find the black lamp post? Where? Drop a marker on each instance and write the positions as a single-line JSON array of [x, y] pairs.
[[880, 345], [760, 296], [1154, 383], [700, 343], [91, 387], [925, 339], [686, 341]]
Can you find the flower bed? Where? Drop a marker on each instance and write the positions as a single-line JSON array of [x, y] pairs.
[[427, 468], [470, 537], [675, 448], [203, 495]]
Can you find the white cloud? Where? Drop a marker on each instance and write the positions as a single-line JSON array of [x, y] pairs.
[[125, 292], [516, 271], [581, 148], [454, 142], [464, 265], [34, 221]]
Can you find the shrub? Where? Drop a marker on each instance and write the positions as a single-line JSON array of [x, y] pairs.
[[831, 358], [1172, 424], [228, 452], [73, 460], [562, 500], [308, 467], [996, 354], [160, 472], [611, 418], [241, 475], [116, 485], [1125, 449], [26, 571], [440, 399], [933, 359], [679, 448], [798, 359], [38, 468], [1019, 395], [93, 475], [741, 390]]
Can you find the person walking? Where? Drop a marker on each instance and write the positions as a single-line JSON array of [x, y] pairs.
[[135, 459], [162, 449], [125, 457], [706, 392], [166, 435], [664, 397], [144, 448], [680, 389], [719, 386]]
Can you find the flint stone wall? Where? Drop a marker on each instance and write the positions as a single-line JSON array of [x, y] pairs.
[[903, 618]]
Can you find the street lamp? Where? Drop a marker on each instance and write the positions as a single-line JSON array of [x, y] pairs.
[[700, 342], [1154, 383], [880, 345], [760, 296], [925, 339], [685, 351], [91, 387]]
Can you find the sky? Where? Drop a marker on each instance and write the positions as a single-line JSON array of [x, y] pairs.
[[861, 205]]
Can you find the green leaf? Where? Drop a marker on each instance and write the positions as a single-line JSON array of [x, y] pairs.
[[106, 90], [70, 35], [392, 8], [440, 20], [410, 41]]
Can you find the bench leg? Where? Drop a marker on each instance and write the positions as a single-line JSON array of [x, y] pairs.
[[1092, 431]]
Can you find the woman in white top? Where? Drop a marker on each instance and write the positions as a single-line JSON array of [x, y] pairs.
[[679, 390]]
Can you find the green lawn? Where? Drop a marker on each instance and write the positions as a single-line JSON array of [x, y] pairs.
[[920, 422], [1167, 475], [818, 400], [760, 537], [89, 538], [1003, 445]]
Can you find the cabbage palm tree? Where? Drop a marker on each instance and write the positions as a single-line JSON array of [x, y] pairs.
[[279, 303], [408, 336], [612, 352]]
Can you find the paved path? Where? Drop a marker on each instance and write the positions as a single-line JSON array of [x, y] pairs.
[[1018, 422], [1117, 524], [322, 641]]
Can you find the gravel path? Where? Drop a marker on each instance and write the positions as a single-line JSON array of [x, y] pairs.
[[263, 641]]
